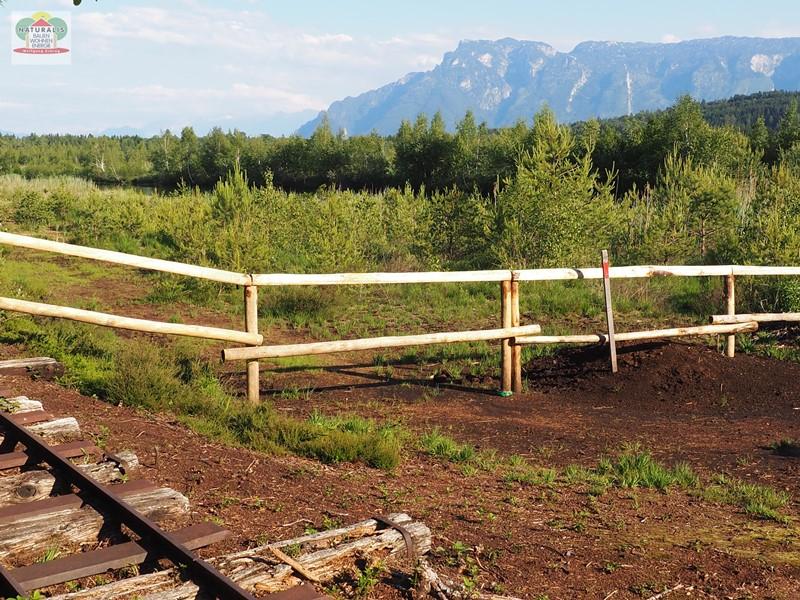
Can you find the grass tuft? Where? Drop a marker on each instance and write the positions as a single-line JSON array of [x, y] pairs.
[[435, 443], [757, 500], [635, 468]]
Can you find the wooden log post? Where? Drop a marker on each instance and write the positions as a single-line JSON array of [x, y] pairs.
[[516, 349], [612, 344], [506, 318], [730, 297], [251, 326]]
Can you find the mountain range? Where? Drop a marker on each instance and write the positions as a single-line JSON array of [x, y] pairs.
[[506, 80]]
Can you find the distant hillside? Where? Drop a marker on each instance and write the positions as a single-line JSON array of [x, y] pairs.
[[744, 111], [507, 80]]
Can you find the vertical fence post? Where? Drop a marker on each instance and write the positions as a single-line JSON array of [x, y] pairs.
[[516, 349], [251, 326], [730, 293], [505, 345], [612, 343]]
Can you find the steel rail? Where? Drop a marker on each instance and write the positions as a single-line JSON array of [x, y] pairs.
[[102, 498]]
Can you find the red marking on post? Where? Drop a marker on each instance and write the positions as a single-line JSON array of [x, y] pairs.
[[605, 269]]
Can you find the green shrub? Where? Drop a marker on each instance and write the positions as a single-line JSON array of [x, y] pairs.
[[788, 295], [33, 210], [144, 377]]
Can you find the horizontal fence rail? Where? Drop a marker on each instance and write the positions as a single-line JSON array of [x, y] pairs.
[[143, 325], [758, 318], [120, 258], [381, 278], [397, 341], [632, 272], [631, 336]]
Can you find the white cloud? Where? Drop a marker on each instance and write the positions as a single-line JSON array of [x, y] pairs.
[[286, 97], [670, 38], [272, 98], [316, 40], [141, 23]]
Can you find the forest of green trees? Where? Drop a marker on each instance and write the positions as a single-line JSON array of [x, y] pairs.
[[665, 187], [422, 153]]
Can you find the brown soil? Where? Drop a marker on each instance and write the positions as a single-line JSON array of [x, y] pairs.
[[682, 402]]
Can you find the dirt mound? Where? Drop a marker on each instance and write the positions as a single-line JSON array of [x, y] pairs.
[[670, 376]]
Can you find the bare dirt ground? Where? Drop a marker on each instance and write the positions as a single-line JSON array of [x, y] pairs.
[[680, 401]]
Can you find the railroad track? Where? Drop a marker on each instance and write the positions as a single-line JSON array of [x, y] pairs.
[[55, 493]]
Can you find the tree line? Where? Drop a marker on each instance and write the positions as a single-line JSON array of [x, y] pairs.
[[423, 153]]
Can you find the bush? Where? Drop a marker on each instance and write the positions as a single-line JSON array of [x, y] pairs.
[[33, 210], [144, 377], [788, 295]]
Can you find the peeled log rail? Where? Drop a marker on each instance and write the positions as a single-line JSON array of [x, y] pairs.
[[107, 320], [120, 258], [648, 271], [274, 279], [376, 343], [326, 555], [601, 338], [758, 318], [565, 274], [75, 524], [30, 486]]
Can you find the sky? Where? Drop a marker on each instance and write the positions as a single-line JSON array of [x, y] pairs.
[[268, 66]]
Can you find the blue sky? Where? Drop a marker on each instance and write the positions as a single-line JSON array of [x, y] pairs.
[[269, 65]]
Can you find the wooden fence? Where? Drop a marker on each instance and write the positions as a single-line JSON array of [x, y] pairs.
[[512, 334]]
